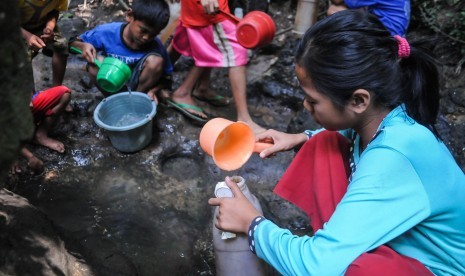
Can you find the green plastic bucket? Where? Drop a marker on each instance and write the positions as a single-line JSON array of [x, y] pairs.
[[127, 120], [112, 73]]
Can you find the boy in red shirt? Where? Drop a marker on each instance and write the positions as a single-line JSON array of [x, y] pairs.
[[46, 106]]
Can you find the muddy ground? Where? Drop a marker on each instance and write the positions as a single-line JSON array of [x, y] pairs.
[[146, 213]]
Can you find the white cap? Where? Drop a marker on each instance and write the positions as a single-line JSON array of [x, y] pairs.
[[222, 190]]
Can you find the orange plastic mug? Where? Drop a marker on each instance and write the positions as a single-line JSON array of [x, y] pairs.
[[256, 29], [229, 143]]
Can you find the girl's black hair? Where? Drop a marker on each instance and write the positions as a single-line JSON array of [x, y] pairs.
[[155, 13], [352, 50]]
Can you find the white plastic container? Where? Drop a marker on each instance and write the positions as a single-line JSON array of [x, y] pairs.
[[232, 253]]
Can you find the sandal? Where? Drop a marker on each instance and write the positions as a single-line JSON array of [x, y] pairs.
[[216, 100], [182, 108]]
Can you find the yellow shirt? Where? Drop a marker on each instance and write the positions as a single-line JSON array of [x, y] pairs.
[[34, 12]]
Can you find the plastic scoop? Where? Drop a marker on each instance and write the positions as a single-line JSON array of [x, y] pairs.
[[229, 143], [112, 73], [256, 29]]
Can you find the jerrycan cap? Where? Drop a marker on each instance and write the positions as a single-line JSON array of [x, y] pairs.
[[222, 190]]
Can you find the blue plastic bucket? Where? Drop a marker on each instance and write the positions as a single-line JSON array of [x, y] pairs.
[[127, 119]]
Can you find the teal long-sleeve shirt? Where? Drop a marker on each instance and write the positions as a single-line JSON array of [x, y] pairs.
[[407, 192]]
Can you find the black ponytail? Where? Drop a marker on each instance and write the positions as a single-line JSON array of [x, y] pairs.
[[421, 86]]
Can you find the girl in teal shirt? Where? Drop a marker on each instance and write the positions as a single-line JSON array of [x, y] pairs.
[[405, 194]]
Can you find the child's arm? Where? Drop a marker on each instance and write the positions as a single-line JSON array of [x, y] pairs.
[[52, 18], [33, 162], [33, 42]]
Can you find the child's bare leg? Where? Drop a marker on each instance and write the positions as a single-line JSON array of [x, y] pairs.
[[152, 70], [174, 55], [34, 163], [237, 77], [41, 136], [202, 86], [15, 168], [183, 93], [59, 62]]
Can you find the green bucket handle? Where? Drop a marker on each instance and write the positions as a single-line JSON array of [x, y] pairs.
[[79, 51]]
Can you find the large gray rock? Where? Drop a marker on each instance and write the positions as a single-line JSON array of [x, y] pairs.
[[29, 244]]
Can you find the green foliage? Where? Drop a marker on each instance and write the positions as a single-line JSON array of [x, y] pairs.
[[446, 17]]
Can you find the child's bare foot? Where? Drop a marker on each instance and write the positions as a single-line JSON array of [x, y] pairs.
[[188, 101], [50, 143], [35, 164], [207, 95], [15, 168]]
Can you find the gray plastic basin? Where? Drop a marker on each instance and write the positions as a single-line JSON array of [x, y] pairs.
[[135, 135]]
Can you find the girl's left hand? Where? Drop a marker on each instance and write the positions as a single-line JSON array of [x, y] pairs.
[[235, 213], [210, 6]]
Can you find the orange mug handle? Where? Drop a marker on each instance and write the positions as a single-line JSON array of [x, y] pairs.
[[259, 147]]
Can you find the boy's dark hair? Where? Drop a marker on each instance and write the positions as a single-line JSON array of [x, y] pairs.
[[352, 50], [155, 13]]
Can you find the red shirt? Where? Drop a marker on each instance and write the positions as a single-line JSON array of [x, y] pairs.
[[193, 15]]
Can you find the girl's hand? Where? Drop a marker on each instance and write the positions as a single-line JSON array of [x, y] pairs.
[[210, 6], [235, 213], [282, 141]]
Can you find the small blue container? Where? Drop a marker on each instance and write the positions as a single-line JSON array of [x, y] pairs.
[[127, 119]]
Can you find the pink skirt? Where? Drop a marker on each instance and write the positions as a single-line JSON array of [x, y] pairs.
[[211, 46]]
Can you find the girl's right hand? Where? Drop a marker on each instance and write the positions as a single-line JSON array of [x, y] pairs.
[[281, 141]]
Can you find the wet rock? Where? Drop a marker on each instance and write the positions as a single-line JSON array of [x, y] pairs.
[[82, 104], [292, 96], [71, 26], [457, 96], [29, 243], [86, 82]]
